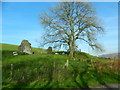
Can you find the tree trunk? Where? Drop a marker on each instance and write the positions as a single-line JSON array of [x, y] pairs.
[[71, 54]]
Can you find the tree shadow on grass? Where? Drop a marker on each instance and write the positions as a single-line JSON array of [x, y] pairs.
[[50, 76], [99, 77], [113, 75], [81, 75]]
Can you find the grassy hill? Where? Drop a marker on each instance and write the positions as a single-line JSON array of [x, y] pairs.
[[15, 47], [50, 70]]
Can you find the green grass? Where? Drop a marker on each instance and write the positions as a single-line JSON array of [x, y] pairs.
[[9, 47], [49, 71]]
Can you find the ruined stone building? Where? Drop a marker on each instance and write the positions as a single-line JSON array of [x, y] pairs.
[[25, 47]]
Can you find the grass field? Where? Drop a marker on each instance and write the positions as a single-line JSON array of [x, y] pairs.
[[10, 47], [49, 70]]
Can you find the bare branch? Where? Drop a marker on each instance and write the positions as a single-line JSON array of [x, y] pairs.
[[70, 21]]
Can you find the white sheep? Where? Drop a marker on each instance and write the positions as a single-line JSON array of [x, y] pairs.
[[56, 53], [15, 53]]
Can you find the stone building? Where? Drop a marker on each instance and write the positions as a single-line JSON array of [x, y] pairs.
[[25, 47], [49, 50]]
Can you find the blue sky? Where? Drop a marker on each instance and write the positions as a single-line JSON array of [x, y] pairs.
[[20, 20]]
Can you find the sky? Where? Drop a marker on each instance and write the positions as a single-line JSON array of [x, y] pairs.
[[20, 20]]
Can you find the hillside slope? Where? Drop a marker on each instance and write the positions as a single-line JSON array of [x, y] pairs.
[[112, 55], [52, 71], [10, 47]]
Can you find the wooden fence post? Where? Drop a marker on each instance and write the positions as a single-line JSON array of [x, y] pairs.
[[11, 72]]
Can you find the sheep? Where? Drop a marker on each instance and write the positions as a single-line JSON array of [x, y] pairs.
[[15, 53], [56, 53]]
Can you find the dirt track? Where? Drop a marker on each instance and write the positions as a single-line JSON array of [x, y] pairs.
[[109, 86]]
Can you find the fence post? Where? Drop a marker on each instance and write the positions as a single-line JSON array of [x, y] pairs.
[[11, 72]]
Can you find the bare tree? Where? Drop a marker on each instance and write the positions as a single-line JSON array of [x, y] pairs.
[[68, 22]]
